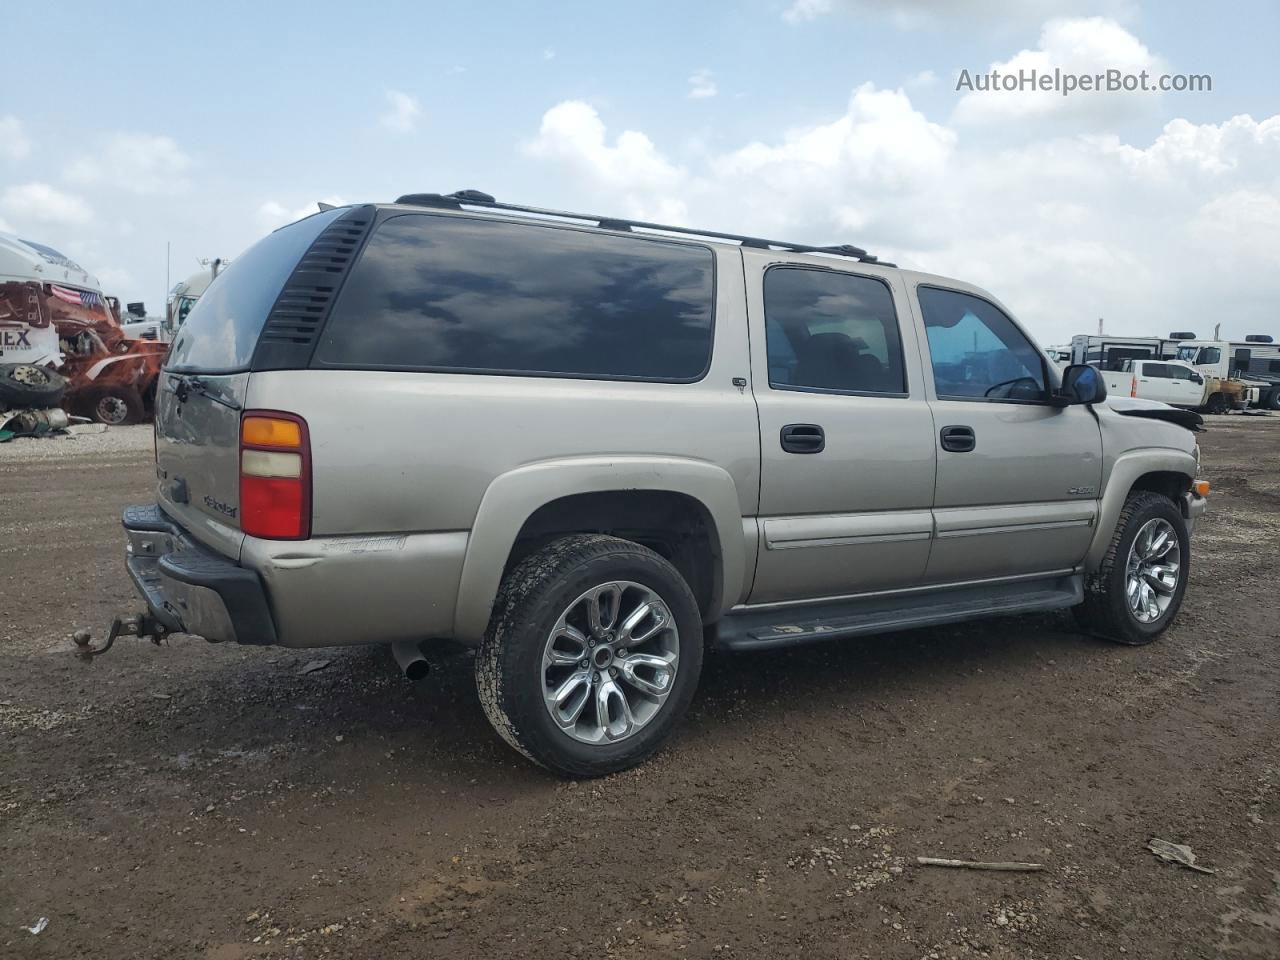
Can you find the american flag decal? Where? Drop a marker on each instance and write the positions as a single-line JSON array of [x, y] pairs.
[[81, 298]]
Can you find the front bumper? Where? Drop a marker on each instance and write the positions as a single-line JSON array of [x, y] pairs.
[[1193, 508], [190, 589]]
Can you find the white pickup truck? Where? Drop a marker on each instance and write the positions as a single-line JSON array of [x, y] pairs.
[[1169, 381]]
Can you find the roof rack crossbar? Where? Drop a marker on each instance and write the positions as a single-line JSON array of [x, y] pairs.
[[475, 198]]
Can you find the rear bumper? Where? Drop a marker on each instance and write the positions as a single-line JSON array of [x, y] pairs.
[[190, 589]]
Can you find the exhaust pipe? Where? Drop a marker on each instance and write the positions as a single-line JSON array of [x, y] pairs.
[[413, 664]]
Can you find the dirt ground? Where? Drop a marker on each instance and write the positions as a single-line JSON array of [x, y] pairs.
[[215, 802]]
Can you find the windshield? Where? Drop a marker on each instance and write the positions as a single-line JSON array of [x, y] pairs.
[[1187, 354], [222, 327]]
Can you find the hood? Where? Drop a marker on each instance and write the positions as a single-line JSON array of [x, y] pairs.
[[1155, 410]]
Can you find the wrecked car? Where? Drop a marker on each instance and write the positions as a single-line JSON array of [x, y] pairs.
[[54, 316]]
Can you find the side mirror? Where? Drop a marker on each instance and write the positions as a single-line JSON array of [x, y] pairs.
[[1197, 378], [1081, 383]]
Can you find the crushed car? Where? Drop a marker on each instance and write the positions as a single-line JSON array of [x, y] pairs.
[[53, 316]]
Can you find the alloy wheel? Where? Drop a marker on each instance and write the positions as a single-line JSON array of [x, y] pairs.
[[1152, 570], [609, 662]]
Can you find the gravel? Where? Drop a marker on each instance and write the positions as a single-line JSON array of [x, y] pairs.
[[81, 440]]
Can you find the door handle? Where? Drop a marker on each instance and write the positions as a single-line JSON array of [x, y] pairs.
[[958, 439], [803, 438]]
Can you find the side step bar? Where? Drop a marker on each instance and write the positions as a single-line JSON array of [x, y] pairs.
[[789, 626]]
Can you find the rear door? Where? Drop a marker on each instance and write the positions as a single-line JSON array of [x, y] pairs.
[[1018, 478], [847, 455], [205, 381]]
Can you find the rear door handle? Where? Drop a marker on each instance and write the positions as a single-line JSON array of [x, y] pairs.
[[803, 438], [958, 439]]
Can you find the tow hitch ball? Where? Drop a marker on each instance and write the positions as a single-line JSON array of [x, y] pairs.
[[138, 625]]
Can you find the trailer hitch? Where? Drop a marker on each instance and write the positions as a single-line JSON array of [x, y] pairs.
[[138, 625]]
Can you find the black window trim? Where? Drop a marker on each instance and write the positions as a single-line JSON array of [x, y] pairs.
[[831, 391], [318, 364], [1044, 362]]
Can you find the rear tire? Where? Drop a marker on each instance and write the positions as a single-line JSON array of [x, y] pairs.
[[542, 624], [1110, 608], [1273, 401]]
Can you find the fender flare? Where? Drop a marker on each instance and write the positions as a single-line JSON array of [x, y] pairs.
[[1126, 470], [513, 497]]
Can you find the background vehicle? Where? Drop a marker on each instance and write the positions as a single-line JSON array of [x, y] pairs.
[[1107, 352], [582, 445], [53, 314], [186, 292], [1168, 381], [1254, 360]]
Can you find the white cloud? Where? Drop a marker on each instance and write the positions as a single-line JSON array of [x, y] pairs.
[[1089, 46], [913, 14], [1153, 236], [701, 85], [548, 54], [14, 142], [272, 214], [573, 133], [404, 110], [801, 10], [41, 203], [925, 78], [140, 163]]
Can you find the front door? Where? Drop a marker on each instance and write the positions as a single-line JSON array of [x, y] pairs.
[[847, 453], [1018, 478]]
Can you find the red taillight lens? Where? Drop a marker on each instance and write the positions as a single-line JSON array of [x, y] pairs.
[[275, 475]]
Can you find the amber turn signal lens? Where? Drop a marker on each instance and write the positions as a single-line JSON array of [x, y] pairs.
[[270, 432], [1201, 488]]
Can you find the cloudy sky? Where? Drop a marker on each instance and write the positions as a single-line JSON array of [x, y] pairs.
[[132, 124]]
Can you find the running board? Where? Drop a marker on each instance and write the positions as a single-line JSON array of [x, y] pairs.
[[765, 629]]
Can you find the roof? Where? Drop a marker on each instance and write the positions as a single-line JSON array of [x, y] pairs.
[[478, 200], [30, 261]]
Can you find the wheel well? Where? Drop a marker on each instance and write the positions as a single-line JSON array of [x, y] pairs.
[[674, 525], [1167, 482]]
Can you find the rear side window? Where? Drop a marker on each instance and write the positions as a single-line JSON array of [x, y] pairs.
[[831, 331], [485, 296], [221, 331], [1158, 370]]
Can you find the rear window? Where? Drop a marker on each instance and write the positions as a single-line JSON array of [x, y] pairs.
[[485, 296], [221, 331]]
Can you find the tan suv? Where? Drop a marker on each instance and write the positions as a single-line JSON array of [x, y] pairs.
[[588, 446]]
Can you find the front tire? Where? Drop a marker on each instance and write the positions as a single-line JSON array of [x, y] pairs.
[[1136, 592], [592, 655], [116, 406]]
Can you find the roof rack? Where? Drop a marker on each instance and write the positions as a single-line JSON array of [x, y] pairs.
[[477, 198]]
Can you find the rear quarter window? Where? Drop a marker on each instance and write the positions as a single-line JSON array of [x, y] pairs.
[[221, 331], [459, 294]]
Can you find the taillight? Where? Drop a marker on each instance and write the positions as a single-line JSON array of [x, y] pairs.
[[275, 475], [1133, 386]]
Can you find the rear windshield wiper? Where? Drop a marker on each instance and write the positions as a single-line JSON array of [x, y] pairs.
[[187, 382]]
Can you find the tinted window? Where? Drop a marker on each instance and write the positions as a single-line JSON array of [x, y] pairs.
[[1210, 355], [1179, 373], [976, 350], [831, 331], [221, 331], [1158, 370], [453, 293]]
